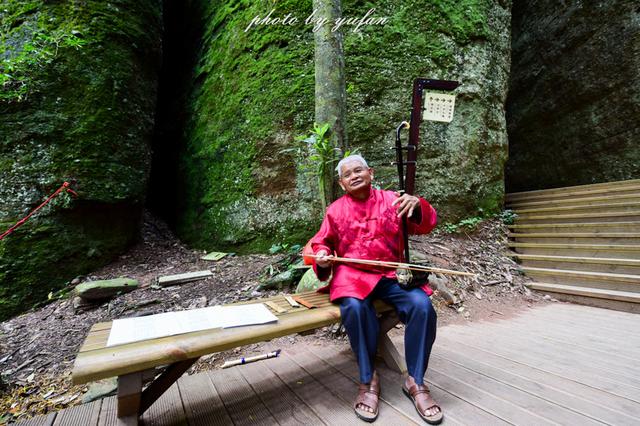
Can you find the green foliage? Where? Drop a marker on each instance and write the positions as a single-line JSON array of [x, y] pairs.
[[507, 216], [471, 223], [285, 248], [321, 159], [467, 224], [24, 57]]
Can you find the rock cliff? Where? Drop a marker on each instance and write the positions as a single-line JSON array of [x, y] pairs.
[[574, 99], [253, 93], [77, 103]]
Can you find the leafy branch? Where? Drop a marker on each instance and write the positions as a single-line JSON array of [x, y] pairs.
[[322, 157]]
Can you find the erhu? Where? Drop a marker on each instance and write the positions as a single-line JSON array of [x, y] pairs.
[[438, 107]]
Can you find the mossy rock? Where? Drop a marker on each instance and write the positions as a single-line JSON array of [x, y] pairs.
[[309, 282], [253, 91], [79, 83], [105, 289]]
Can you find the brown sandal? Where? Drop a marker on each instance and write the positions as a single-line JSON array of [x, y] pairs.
[[368, 395], [422, 400]]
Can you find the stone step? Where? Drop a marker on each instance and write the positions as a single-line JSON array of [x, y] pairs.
[[598, 280], [617, 251], [594, 227], [577, 237], [575, 191], [576, 263], [601, 208], [609, 299], [588, 201], [628, 216]]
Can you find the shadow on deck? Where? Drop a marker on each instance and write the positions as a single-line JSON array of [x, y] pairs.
[[557, 364]]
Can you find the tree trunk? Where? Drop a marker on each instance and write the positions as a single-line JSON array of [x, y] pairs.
[[330, 90]]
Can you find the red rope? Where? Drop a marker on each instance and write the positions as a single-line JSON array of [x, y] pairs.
[[64, 187]]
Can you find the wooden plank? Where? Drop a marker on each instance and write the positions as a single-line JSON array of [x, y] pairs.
[[109, 412], [391, 354], [571, 410], [597, 208], [593, 316], [602, 216], [343, 387], [599, 327], [583, 399], [575, 191], [581, 227], [242, 403], [202, 403], [586, 201], [275, 307], [322, 401], [608, 350], [551, 362], [44, 420], [80, 415], [166, 411], [535, 341], [475, 393], [507, 392], [282, 403], [168, 280], [95, 341], [129, 394], [101, 326], [163, 382], [619, 350], [456, 411], [559, 354]]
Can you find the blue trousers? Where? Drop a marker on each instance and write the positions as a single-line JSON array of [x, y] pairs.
[[414, 310]]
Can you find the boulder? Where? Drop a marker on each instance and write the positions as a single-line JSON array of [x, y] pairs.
[[105, 289], [245, 186], [77, 105], [309, 282], [574, 97], [100, 389]]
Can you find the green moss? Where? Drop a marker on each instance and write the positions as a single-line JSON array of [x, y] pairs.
[[77, 104], [253, 91], [48, 252], [250, 86]]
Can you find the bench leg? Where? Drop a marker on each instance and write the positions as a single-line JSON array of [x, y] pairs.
[[133, 401], [129, 395], [389, 352], [164, 382]]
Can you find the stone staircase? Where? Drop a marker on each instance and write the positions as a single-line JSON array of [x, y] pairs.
[[581, 243]]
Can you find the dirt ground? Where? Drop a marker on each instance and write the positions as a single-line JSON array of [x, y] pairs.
[[37, 349]]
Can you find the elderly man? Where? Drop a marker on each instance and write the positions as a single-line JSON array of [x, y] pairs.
[[366, 223]]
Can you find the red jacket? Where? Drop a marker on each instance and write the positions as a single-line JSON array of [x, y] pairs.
[[365, 229]]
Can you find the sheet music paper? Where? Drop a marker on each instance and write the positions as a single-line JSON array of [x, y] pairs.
[[129, 330], [438, 107]]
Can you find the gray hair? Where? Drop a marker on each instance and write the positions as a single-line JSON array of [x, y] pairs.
[[345, 160]]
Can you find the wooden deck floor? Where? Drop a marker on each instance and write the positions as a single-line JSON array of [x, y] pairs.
[[557, 364]]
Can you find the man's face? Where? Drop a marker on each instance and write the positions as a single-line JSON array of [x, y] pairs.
[[356, 177]]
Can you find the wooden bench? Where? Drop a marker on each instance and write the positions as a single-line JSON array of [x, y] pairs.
[[133, 362]]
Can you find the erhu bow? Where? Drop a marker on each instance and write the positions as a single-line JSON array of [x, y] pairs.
[[407, 168]]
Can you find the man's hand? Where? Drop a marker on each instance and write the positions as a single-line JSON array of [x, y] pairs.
[[323, 260], [407, 204]]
